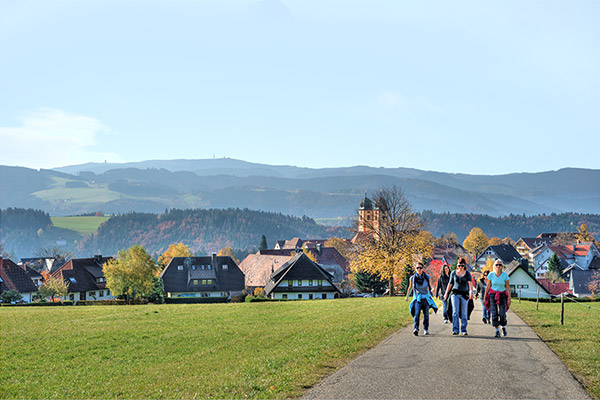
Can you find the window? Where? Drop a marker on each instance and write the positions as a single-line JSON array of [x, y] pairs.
[[299, 282], [209, 281], [225, 266], [204, 281], [194, 282], [320, 282], [203, 267], [101, 293], [300, 296], [284, 296], [290, 283], [71, 296], [209, 266], [522, 286], [100, 280], [193, 267], [93, 294], [72, 280], [180, 268], [310, 282], [323, 295], [310, 296]]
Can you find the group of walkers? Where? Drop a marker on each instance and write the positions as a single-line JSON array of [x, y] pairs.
[[456, 288]]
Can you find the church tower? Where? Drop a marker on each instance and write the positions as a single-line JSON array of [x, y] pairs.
[[368, 217]]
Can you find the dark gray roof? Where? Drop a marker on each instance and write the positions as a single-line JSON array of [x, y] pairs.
[[366, 204], [536, 241], [229, 279], [580, 281], [81, 274], [14, 277], [506, 252], [299, 267]]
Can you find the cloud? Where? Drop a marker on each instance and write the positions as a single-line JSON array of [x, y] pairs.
[[49, 138]]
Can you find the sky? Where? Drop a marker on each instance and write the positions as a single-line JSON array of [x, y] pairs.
[[479, 87]]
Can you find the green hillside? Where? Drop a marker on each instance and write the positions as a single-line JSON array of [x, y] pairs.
[[82, 225]]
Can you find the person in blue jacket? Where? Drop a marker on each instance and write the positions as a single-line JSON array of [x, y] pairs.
[[422, 298]]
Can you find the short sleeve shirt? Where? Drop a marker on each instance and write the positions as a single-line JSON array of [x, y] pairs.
[[498, 282]]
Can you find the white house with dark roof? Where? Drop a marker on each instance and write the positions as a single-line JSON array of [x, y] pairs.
[[208, 276], [15, 277], [85, 278], [301, 279], [523, 283]]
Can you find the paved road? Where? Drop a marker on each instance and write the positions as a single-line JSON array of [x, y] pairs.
[[442, 366]]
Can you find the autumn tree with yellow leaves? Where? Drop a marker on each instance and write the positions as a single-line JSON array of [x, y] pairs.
[[228, 251], [400, 239], [476, 241], [174, 250]]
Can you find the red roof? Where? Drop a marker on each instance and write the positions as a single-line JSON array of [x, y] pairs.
[[555, 289]]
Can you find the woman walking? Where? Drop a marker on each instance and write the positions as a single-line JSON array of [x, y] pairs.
[[422, 299], [497, 296], [480, 293], [461, 286], [442, 284]]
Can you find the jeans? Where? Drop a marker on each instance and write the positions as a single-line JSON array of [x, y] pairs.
[[421, 305], [498, 310], [485, 313], [445, 314], [459, 312]]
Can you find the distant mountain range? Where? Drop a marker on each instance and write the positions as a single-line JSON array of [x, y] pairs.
[[153, 186]]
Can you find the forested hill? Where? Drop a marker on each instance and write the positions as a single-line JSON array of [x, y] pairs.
[[515, 226], [203, 230]]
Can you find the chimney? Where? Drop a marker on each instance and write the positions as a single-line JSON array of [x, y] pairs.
[[98, 258], [214, 260], [319, 249]]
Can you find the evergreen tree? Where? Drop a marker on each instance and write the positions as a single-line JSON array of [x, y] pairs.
[[263, 243], [369, 283], [554, 265]]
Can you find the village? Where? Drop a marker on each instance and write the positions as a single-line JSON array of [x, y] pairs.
[[309, 269]]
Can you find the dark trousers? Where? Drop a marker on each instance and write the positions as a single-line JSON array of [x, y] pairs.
[[422, 305], [498, 310]]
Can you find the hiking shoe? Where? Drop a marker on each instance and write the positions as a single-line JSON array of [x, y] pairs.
[[484, 320], [416, 332], [497, 333], [426, 332], [465, 334], [445, 321], [455, 333], [504, 331]]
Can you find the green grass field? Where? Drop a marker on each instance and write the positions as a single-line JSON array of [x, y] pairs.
[[83, 225], [576, 342], [242, 350]]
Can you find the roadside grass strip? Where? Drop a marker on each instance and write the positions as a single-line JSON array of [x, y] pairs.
[[241, 350], [577, 342]]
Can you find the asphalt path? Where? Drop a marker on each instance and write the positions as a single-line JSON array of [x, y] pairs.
[[442, 366]]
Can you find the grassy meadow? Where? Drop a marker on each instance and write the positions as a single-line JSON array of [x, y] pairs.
[[82, 225], [240, 350], [576, 342]]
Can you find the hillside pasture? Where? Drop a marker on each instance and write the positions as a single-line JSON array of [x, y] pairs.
[[242, 350], [82, 225]]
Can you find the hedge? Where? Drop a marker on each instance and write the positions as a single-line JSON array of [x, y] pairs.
[[195, 300], [100, 302], [39, 304]]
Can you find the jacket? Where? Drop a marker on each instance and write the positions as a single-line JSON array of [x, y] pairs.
[[442, 284], [417, 298], [480, 287]]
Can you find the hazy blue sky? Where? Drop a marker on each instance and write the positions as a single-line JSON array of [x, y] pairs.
[[474, 87]]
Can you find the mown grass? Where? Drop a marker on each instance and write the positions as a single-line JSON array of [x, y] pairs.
[[576, 342], [243, 350], [83, 225]]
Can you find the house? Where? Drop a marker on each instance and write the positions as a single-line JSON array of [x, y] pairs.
[[505, 252], [581, 254], [526, 245], [579, 282], [207, 276], [448, 253], [48, 264], [14, 277], [85, 278], [301, 278], [539, 258], [259, 267], [297, 243], [523, 284]]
